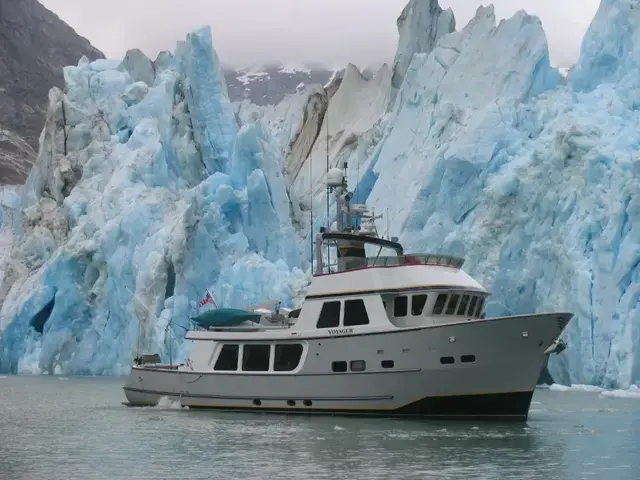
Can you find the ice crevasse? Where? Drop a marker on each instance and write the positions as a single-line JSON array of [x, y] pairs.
[[150, 186]]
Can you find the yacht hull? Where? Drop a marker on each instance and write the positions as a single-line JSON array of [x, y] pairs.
[[503, 360]]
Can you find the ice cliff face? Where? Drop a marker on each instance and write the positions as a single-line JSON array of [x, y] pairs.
[[489, 154], [150, 183], [420, 26], [146, 191]]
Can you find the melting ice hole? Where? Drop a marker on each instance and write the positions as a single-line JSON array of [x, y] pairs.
[[171, 282], [40, 319]]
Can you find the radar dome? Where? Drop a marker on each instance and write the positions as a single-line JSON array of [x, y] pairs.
[[335, 177]]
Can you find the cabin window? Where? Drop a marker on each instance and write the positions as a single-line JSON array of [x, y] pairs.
[[228, 358], [287, 357], [480, 307], [453, 303], [339, 367], [441, 301], [358, 365], [355, 313], [462, 308], [400, 307], [417, 304], [387, 363], [447, 360], [255, 358], [329, 315], [468, 358], [472, 306]]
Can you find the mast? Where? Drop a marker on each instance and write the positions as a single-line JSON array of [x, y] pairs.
[[328, 187], [311, 208]]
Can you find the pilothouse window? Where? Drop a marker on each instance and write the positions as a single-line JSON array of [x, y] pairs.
[[417, 304], [228, 358], [441, 301], [255, 358], [400, 307], [480, 307], [462, 308], [472, 306], [329, 315], [453, 303], [287, 357], [355, 313]]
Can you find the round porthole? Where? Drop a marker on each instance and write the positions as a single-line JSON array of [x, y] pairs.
[[291, 403], [307, 403], [257, 403]]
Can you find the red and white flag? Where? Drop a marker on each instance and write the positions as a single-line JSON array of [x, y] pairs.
[[208, 298]]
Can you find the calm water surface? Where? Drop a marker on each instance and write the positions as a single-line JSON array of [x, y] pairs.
[[76, 428]]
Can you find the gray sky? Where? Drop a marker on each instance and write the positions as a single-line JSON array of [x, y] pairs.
[[332, 32]]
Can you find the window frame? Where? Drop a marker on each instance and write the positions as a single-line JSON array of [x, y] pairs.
[[359, 301], [406, 306], [246, 346], [339, 319], [424, 304], [441, 307], [452, 296], [286, 345], [219, 355]]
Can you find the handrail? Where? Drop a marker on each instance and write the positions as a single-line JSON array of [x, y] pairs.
[[392, 261]]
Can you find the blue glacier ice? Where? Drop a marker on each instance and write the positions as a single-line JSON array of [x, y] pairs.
[[146, 192], [488, 153], [150, 187], [420, 26]]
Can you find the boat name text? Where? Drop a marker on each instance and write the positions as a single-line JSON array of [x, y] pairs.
[[340, 331]]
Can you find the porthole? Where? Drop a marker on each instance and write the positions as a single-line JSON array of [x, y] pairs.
[[387, 364], [291, 403], [307, 403], [468, 358], [358, 365], [339, 367], [257, 402], [447, 360]]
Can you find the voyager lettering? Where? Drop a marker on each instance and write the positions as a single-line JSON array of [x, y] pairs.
[[340, 331]]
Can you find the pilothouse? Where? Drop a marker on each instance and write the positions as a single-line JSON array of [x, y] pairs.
[[380, 332]]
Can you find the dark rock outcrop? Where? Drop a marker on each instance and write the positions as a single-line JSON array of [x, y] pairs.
[[34, 46]]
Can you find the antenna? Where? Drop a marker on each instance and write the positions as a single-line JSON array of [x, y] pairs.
[[311, 212], [328, 187], [138, 340], [387, 224], [358, 221]]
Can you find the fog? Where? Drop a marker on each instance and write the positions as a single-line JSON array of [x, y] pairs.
[[332, 32]]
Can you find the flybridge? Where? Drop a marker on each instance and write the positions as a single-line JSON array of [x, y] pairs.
[[350, 244]]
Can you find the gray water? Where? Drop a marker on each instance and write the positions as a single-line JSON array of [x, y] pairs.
[[76, 428]]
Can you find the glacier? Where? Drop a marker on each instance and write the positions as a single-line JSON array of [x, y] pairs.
[[146, 192], [150, 187]]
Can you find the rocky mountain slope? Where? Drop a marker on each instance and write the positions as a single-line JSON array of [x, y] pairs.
[[34, 46], [269, 85]]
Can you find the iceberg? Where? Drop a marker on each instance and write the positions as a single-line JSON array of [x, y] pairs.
[[146, 192], [150, 187]]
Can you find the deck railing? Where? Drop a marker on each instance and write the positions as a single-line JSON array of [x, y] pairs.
[[391, 261]]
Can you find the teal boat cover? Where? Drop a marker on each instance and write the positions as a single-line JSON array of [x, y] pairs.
[[225, 317]]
